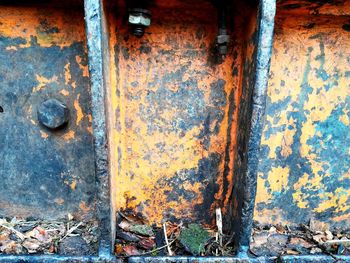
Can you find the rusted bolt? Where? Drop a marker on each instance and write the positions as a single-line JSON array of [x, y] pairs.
[[139, 19], [53, 114]]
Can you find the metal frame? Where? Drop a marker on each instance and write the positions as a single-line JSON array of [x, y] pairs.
[[96, 38]]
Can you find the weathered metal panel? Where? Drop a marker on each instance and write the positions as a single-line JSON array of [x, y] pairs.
[[44, 173], [173, 113], [305, 155]]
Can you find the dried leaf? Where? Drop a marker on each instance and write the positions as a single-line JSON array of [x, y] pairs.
[[127, 236], [31, 245], [300, 241], [41, 235], [125, 225], [316, 225], [329, 235], [147, 243], [118, 249], [131, 250], [319, 238]]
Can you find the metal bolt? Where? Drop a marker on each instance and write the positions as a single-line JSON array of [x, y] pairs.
[[139, 19], [53, 114]]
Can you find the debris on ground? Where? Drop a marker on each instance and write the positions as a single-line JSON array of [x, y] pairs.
[[135, 236], [67, 237], [314, 238]]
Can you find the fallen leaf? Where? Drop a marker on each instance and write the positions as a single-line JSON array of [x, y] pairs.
[[125, 225], [147, 243], [31, 245], [316, 225], [194, 238], [144, 230], [127, 236], [41, 235], [319, 238], [118, 249], [131, 250], [300, 241], [329, 235]]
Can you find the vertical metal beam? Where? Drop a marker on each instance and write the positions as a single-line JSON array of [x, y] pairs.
[[95, 40], [264, 41]]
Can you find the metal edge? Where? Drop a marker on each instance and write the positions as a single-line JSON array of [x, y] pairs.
[[314, 258], [264, 41], [184, 259], [94, 33], [284, 259], [48, 258]]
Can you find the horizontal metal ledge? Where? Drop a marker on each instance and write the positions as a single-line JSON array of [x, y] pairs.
[[286, 259], [176, 259], [55, 258]]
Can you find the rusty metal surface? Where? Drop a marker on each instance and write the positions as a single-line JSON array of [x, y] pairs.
[[173, 114], [44, 173], [250, 122], [305, 156], [97, 43]]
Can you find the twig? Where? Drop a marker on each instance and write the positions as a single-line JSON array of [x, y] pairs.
[[19, 234], [166, 241], [337, 242], [70, 231], [219, 224], [158, 248]]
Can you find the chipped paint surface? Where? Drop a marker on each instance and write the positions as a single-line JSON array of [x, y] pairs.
[[173, 116], [44, 173], [304, 159]]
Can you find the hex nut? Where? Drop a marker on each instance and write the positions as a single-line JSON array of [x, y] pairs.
[[53, 114], [139, 19]]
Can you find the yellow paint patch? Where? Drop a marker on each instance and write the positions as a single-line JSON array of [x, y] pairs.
[[262, 195], [67, 74], [64, 92], [44, 135], [69, 135], [73, 185], [43, 82], [278, 178], [84, 68], [79, 111]]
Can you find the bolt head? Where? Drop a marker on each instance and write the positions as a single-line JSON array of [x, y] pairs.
[[53, 114]]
